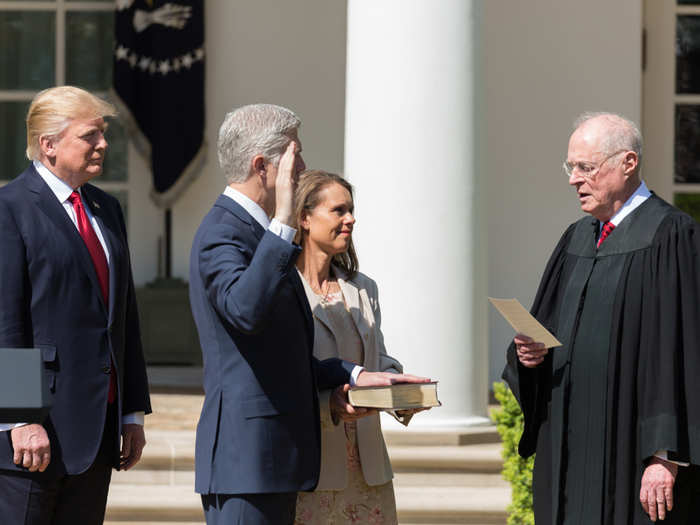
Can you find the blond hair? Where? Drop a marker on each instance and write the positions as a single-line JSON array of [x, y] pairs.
[[307, 197], [52, 110]]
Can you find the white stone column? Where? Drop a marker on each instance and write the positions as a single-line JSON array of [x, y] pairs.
[[411, 149]]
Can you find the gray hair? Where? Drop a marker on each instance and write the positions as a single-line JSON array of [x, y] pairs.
[[256, 129], [624, 133]]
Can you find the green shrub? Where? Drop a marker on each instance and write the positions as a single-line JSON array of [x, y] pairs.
[[516, 470]]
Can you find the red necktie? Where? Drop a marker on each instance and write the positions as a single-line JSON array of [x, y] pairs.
[[99, 260], [607, 228]]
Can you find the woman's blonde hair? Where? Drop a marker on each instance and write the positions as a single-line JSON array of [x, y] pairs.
[[307, 197], [52, 110]]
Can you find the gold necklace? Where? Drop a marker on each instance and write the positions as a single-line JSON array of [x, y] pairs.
[[324, 296]]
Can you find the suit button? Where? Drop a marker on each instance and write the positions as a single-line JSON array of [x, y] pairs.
[[106, 369]]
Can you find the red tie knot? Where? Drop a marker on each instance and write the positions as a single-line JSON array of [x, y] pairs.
[[74, 198], [607, 228]]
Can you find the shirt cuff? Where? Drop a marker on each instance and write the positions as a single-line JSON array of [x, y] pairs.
[[282, 230], [355, 372], [4, 427], [663, 454], [134, 418]]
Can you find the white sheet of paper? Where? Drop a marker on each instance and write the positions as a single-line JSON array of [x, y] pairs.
[[523, 323]]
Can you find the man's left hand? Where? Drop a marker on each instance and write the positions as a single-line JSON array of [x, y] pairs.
[[366, 378], [656, 494], [133, 441]]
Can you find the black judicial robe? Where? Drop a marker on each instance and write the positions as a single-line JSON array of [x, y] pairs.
[[626, 381]]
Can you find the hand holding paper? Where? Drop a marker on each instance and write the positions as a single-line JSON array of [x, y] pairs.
[[523, 323], [532, 340], [530, 353]]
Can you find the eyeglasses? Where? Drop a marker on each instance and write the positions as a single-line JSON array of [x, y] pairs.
[[587, 170]]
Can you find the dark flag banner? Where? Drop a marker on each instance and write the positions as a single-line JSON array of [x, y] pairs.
[[159, 86]]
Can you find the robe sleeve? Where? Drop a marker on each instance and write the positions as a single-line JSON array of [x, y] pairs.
[[668, 383], [532, 386]]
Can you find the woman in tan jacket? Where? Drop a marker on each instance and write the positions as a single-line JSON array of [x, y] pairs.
[[355, 482]]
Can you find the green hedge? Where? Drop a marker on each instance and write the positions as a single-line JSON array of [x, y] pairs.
[[516, 470]]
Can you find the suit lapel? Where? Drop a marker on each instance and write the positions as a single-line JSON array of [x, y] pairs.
[[47, 202], [352, 298], [317, 309], [239, 211], [303, 298]]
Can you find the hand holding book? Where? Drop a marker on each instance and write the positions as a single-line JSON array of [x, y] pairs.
[[398, 396], [342, 406]]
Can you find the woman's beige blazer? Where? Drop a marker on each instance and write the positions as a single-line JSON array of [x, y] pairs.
[[361, 297]]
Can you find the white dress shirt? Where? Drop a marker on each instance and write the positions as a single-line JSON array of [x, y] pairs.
[[641, 194], [278, 228], [62, 191]]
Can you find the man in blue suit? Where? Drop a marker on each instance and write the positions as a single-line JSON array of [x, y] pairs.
[[66, 288], [258, 438]]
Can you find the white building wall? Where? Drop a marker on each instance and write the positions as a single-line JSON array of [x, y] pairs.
[[545, 62]]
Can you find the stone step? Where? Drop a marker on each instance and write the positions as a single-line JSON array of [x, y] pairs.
[[485, 505], [161, 504], [180, 411], [155, 503], [137, 477], [414, 435], [449, 479], [174, 411], [473, 458], [169, 458]]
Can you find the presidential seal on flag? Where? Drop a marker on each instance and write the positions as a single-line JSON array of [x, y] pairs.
[[159, 88]]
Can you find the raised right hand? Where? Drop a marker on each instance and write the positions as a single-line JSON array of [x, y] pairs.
[[285, 184], [530, 353], [32, 449]]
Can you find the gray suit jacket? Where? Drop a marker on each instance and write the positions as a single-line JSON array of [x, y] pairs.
[[362, 298]]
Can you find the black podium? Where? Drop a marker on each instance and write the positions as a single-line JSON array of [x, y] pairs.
[[24, 393]]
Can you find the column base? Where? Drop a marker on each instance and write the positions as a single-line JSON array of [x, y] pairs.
[[465, 431]]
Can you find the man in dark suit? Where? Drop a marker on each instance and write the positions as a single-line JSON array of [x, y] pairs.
[[66, 288], [258, 438]]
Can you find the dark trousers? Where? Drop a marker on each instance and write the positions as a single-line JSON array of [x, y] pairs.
[[32, 498], [250, 509]]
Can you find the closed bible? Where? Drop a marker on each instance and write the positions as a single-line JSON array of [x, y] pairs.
[[399, 396]]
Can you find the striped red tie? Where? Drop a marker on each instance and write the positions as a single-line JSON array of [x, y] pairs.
[[607, 228], [99, 260]]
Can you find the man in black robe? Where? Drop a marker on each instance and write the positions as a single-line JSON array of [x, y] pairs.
[[614, 414]]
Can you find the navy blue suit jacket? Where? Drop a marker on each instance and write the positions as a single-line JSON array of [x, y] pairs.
[[259, 428], [50, 298]]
